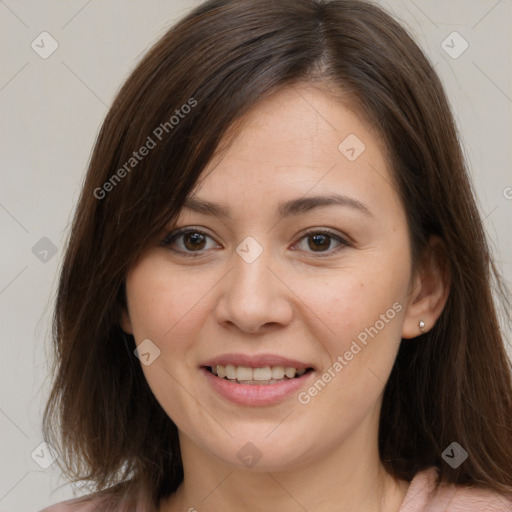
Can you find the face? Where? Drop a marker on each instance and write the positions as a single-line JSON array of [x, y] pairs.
[[278, 280]]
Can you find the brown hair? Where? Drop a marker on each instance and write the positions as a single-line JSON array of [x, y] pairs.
[[453, 384]]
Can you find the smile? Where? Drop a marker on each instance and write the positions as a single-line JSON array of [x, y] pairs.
[[257, 376], [256, 388]]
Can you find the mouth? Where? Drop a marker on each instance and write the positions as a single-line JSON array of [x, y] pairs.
[[256, 379], [259, 376]]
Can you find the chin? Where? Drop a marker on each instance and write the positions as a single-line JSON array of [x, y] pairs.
[[258, 453]]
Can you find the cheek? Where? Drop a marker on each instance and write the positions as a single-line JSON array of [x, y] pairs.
[[362, 306], [353, 300], [163, 308], [159, 300], [362, 322]]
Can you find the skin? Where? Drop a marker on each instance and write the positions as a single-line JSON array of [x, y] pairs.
[[290, 301]]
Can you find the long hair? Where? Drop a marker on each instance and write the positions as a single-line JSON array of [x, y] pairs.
[[452, 384]]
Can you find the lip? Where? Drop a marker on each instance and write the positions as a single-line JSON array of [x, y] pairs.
[[256, 394], [257, 361]]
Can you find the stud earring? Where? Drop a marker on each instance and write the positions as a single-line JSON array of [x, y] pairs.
[[421, 325]]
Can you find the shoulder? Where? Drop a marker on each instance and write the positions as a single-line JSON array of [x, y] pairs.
[[422, 496]]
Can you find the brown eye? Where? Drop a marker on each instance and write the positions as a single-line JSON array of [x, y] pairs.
[[320, 242], [189, 242], [194, 241]]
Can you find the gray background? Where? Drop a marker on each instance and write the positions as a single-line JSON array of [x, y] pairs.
[[51, 110]]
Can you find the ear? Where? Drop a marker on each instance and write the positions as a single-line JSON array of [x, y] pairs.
[[125, 321], [429, 291]]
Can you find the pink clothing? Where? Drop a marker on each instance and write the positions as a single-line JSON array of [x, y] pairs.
[[450, 498], [419, 498]]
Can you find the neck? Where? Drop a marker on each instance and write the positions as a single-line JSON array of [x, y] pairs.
[[347, 477]]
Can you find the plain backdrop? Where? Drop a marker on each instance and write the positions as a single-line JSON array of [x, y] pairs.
[[51, 110]]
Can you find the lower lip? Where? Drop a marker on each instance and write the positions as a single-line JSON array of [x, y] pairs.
[[255, 394]]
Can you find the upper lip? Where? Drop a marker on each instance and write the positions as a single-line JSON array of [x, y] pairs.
[[256, 361]]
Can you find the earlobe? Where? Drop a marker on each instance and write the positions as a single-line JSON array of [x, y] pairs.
[[430, 291], [125, 322]]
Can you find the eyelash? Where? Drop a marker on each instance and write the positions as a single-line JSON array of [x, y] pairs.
[[174, 235]]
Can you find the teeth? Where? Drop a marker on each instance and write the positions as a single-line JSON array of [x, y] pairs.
[[277, 372], [243, 373], [264, 374], [230, 371], [290, 372], [261, 373]]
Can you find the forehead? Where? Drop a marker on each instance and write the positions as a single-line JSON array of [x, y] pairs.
[[299, 140]]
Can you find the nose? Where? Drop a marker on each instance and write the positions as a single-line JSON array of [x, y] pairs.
[[253, 297]]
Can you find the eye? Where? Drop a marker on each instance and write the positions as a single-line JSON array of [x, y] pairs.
[[191, 242], [320, 241]]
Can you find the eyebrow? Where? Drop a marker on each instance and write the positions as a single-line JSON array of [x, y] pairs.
[[293, 207]]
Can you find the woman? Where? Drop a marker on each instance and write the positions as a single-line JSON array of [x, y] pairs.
[[277, 289]]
